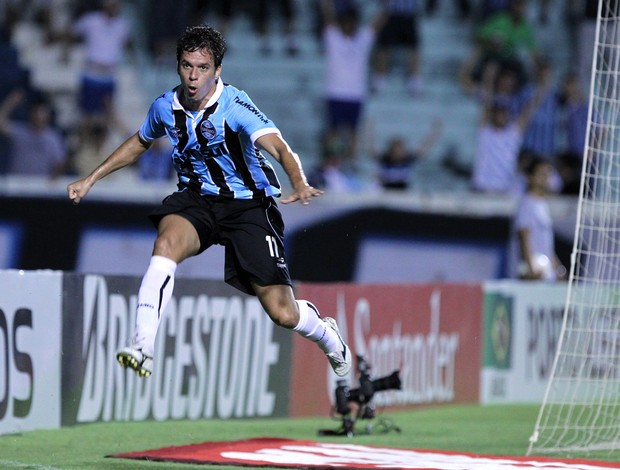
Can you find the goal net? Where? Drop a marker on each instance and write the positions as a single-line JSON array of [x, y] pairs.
[[580, 413]]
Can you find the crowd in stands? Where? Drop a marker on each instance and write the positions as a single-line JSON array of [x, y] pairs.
[[38, 145], [531, 106], [534, 112]]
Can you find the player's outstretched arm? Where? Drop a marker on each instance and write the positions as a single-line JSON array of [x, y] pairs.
[[280, 150], [126, 154]]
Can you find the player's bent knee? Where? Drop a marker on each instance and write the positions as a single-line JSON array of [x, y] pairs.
[[284, 319], [177, 249], [279, 303], [165, 246]]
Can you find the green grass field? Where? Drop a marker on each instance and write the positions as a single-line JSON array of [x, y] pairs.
[[493, 430]]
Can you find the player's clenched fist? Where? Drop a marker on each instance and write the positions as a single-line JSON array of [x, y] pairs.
[[77, 191]]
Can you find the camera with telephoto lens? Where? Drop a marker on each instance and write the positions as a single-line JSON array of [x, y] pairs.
[[366, 390], [362, 397]]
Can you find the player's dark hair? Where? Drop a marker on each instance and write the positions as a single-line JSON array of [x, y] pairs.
[[200, 37]]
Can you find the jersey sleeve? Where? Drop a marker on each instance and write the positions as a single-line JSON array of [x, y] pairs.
[[153, 126], [245, 117]]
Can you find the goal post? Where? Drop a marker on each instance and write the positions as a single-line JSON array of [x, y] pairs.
[[580, 412]]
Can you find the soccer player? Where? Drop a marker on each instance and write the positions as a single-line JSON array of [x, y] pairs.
[[226, 190]]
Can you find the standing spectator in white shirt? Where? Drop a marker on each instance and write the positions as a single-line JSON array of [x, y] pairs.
[[499, 140], [105, 34], [348, 46]]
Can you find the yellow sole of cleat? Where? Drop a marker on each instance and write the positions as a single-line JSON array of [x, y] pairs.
[[131, 363], [127, 361]]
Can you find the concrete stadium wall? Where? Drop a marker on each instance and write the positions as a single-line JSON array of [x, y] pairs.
[[404, 239]]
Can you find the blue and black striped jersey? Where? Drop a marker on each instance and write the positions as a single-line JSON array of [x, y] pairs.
[[214, 151]]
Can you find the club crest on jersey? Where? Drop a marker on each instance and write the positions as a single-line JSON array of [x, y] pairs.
[[207, 129]]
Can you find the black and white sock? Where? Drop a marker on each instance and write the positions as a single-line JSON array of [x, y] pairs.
[[311, 326], [153, 296]]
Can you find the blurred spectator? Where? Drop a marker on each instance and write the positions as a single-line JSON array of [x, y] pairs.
[[36, 146], [12, 73], [264, 19], [219, 12], [54, 17], [497, 152], [401, 31], [165, 21], [506, 38], [574, 124], [106, 35], [533, 236], [348, 46], [583, 16], [506, 90], [94, 147], [574, 103], [39, 12], [12, 76], [397, 162], [499, 141], [155, 163], [540, 135], [330, 174]]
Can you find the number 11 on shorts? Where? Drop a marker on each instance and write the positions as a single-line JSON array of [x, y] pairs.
[[273, 246]]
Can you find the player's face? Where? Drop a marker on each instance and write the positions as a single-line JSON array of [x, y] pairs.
[[198, 77]]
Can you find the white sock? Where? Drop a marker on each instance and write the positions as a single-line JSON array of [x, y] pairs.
[[311, 326], [153, 296]]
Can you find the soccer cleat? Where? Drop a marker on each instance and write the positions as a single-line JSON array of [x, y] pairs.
[[339, 360], [135, 359]]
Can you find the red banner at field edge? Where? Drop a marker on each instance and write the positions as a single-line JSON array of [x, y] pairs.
[[431, 333], [288, 453]]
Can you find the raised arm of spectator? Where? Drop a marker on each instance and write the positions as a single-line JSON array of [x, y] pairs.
[[431, 138], [487, 90], [328, 11], [12, 100], [465, 73], [532, 106], [381, 17]]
